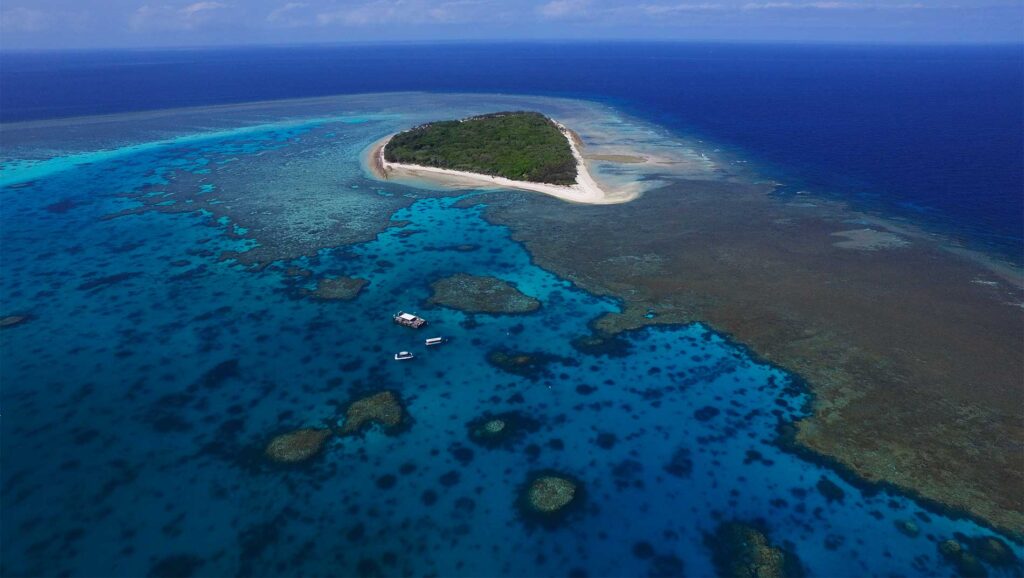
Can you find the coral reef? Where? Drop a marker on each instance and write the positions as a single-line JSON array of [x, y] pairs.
[[742, 550], [297, 446], [12, 321], [548, 497], [681, 465], [526, 364], [602, 344], [551, 493], [992, 550], [494, 427], [474, 294], [759, 269], [339, 288], [966, 563], [500, 430], [384, 408], [967, 553], [908, 528]]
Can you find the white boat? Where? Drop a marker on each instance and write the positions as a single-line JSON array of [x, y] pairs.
[[434, 341], [403, 355]]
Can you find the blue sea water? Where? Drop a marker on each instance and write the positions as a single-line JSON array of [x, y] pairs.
[[139, 396], [934, 134]]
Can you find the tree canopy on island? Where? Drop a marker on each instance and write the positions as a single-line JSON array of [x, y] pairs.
[[524, 146]]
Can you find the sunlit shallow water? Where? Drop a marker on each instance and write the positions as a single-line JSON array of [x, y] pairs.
[[138, 397]]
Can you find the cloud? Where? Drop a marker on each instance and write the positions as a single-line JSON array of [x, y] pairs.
[[167, 17], [288, 14], [192, 10], [563, 8], [659, 9], [21, 19], [829, 5], [380, 11], [407, 12], [799, 5]]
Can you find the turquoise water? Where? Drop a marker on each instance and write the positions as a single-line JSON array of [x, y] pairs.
[[140, 394]]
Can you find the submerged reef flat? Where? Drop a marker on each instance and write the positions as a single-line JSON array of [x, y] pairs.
[[280, 214], [339, 288], [476, 294], [298, 445], [872, 333], [382, 408], [741, 550], [869, 240]]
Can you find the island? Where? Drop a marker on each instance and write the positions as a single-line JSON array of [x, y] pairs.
[[518, 149]]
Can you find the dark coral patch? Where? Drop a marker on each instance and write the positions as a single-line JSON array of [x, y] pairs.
[[992, 550], [502, 429], [706, 413], [967, 553], [62, 206], [101, 282], [386, 482], [742, 549], [599, 344], [643, 550], [966, 563], [682, 463], [666, 566], [176, 566], [830, 490], [461, 453], [532, 365], [606, 440], [449, 479]]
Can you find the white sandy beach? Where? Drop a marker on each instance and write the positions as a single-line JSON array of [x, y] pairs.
[[586, 190]]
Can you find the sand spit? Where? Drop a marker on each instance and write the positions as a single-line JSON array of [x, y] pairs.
[[586, 190]]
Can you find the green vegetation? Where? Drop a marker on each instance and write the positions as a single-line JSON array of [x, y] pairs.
[[524, 146]]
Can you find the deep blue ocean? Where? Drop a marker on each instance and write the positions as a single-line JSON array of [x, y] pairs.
[[931, 133]]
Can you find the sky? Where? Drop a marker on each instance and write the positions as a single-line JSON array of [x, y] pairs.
[[63, 24]]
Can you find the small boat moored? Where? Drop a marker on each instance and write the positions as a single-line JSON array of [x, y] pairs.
[[434, 341], [409, 320], [403, 355]]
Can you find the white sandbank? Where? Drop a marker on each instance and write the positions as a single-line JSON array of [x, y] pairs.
[[586, 190]]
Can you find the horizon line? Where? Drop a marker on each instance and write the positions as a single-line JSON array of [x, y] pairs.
[[526, 41]]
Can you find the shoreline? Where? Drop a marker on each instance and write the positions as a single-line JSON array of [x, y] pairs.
[[586, 190]]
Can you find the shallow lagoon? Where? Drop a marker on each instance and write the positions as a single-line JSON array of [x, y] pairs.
[[139, 396]]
